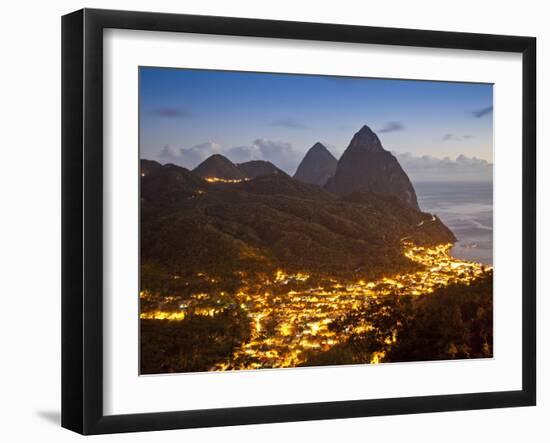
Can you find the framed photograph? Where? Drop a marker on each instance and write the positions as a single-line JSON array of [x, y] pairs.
[[269, 221]]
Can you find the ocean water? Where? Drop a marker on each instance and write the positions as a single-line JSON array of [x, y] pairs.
[[467, 209]]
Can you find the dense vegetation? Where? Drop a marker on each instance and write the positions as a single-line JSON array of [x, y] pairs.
[[257, 168], [454, 322], [195, 344]]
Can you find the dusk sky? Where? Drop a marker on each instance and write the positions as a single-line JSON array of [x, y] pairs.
[[438, 130]]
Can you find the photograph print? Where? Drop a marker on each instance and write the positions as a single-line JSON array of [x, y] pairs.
[[292, 220]]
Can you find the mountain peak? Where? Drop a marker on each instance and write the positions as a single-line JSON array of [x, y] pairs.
[[218, 166], [366, 129], [366, 166], [218, 157], [317, 165], [318, 146], [366, 139]]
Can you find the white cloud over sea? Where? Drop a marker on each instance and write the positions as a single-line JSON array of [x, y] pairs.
[[461, 168]]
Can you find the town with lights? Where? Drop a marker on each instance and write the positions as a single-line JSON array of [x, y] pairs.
[[285, 324]]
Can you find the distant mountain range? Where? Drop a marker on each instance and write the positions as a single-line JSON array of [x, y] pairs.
[[364, 166], [224, 219]]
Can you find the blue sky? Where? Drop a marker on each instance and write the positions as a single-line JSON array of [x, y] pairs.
[[186, 115]]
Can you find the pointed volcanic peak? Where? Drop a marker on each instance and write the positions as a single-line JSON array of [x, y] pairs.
[[365, 140], [317, 166], [258, 168], [367, 166], [219, 167]]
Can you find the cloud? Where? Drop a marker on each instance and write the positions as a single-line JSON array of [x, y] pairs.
[[428, 168], [169, 152], [456, 138], [189, 157], [483, 111], [280, 153], [391, 127], [172, 112], [288, 123], [241, 154]]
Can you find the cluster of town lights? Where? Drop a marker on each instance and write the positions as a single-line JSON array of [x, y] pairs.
[[286, 324], [225, 180]]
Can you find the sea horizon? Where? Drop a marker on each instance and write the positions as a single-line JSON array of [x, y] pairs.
[[466, 207]]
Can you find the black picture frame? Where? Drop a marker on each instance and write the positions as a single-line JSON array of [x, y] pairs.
[[82, 219]]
